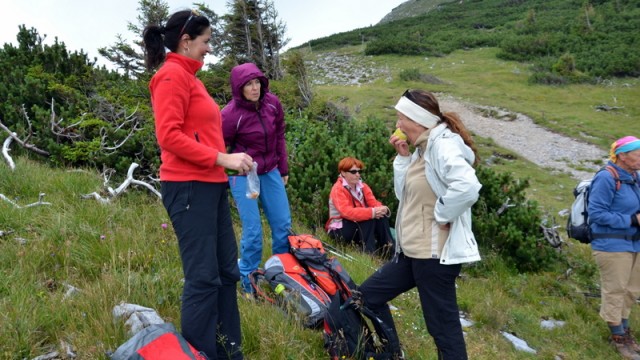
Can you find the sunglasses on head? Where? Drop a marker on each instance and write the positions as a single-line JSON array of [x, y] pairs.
[[194, 13], [355, 171]]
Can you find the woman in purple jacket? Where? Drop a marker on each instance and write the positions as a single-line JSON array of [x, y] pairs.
[[253, 123]]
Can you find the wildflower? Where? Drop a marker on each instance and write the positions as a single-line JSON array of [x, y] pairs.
[[102, 237], [164, 225]]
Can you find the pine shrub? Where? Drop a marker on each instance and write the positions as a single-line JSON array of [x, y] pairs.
[[315, 147]]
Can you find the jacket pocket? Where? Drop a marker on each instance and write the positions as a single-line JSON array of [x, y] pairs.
[[176, 198]]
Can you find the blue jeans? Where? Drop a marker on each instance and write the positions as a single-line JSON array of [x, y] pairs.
[[274, 201]]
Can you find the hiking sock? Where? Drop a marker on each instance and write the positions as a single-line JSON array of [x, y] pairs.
[[617, 329]]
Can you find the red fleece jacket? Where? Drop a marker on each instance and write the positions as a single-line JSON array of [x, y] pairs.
[[188, 123], [350, 208]]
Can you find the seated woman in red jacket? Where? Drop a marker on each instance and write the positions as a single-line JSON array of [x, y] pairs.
[[355, 215]]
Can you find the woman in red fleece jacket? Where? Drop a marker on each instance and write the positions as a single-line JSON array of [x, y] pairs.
[[194, 184], [355, 215]]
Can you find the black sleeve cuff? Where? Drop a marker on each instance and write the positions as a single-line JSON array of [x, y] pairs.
[[634, 220]]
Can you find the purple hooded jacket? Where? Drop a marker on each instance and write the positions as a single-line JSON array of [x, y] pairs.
[[255, 128]]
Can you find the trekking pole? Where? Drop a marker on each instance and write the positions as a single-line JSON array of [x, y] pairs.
[[348, 257], [335, 251]]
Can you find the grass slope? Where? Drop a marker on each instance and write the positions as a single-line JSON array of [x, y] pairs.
[[411, 8], [120, 252]]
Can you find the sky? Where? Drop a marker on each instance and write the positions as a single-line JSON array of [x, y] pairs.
[[90, 24]]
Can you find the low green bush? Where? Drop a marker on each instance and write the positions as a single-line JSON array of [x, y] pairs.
[[507, 223], [315, 147], [317, 142]]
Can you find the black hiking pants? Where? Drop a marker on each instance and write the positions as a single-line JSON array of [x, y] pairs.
[[201, 218], [373, 235], [437, 291]]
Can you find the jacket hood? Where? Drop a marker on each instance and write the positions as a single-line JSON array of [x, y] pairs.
[[240, 75], [443, 131]]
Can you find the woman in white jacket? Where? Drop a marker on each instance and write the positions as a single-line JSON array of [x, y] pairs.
[[436, 186]]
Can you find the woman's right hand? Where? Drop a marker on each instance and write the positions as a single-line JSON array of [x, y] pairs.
[[240, 162], [401, 146]]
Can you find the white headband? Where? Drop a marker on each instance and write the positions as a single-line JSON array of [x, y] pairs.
[[417, 113]]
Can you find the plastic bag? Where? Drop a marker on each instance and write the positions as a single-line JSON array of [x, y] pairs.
[[253, 182]]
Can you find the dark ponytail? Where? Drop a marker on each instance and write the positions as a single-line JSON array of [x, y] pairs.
[[154, 52]]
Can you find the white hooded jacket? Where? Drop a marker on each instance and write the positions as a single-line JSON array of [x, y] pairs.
[[451, 176]]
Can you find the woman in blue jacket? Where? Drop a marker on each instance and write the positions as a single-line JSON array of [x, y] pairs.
[[253, 123], [614, 215]]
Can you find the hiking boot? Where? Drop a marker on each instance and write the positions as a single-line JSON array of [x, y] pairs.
[[245, 284], [631, 340], [623, 345], [399, 356]]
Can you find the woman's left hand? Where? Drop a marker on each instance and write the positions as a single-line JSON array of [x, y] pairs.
[[285, 179]]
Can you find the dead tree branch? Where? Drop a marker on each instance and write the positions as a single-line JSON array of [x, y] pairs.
[[507, 204], [129, 119], [5, 232], [605, 107], [67, 132], [130, 180], [5, 152], [551, 235], [39, 202], [24, 143], [112, 193]]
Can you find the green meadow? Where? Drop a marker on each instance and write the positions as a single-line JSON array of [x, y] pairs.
[[122, 252]]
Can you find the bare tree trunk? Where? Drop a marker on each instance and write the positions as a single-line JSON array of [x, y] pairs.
[[247, 28], [588, 8], [275, 39], [260, 42]]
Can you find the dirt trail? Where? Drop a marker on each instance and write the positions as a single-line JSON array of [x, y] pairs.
[[518, 134], [535, 143]]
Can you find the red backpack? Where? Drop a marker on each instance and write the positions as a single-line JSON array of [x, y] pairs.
[[346, 330], [325, 271], [342, 315], [157, 342], [293, 289]]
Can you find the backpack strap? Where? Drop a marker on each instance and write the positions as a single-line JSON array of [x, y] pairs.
[[612, 170], [615, 175], [256, 278], [353, 198]]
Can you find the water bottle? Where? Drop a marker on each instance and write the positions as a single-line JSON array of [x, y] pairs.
[[292, 301]]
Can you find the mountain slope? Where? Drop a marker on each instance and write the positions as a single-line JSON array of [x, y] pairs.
[[412, 8], [566, 41]]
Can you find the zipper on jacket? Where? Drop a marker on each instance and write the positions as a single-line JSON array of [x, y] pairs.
[[266, 139], [195, 134]]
